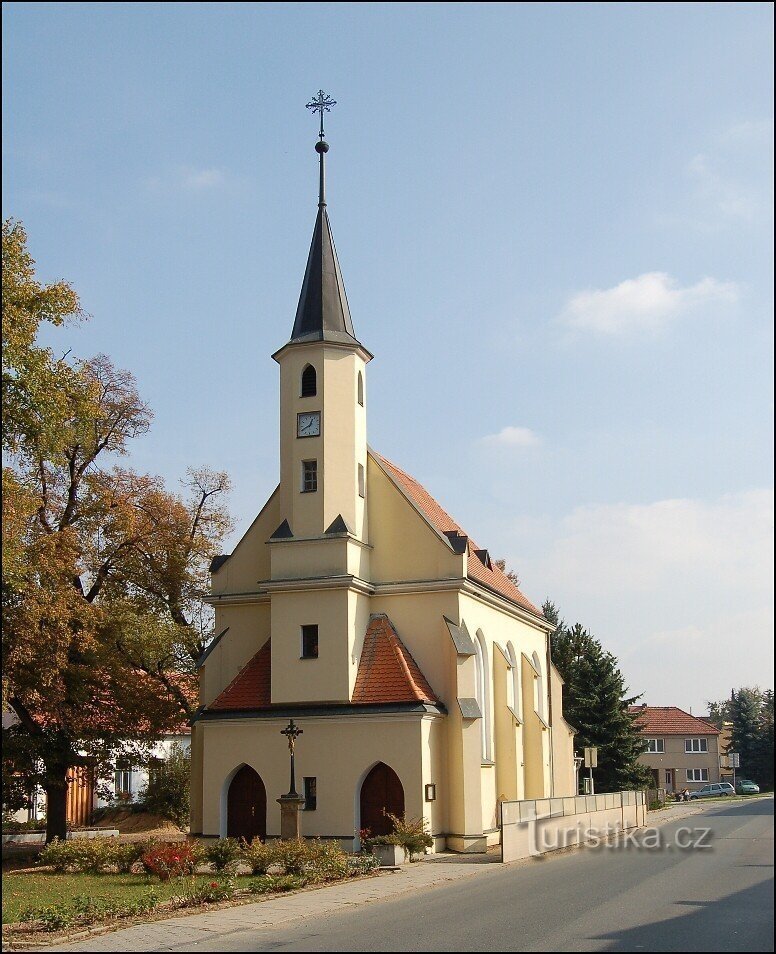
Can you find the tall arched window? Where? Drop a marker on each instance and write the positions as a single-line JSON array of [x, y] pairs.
[[483, 693], [514, 679], [538, 686], [360, 389], [309, 382]]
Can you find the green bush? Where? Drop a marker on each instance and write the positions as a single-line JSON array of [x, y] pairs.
[[125, 856], [87, 909], [205, 892], [258, 855], [272, 883], [326, 861], [224, 854], [90, 855], [167, 792], [410, 833], [362, 864]]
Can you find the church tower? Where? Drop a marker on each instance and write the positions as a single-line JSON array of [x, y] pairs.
[[319, 553], [323, 450]]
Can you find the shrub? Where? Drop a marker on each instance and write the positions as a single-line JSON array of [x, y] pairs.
[[90, 855], [272, 883], [205, 892], [223, 854], [167, 792], [292, 856], [170, 860], [53, 917], [258, 855], [326, 861], [124, 857], [362, 864], [411, 834]]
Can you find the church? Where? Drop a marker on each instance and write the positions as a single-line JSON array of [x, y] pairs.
[[355, 604]]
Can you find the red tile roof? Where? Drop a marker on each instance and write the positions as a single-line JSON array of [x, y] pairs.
[[669, 720], [250, 688], [386, 671], [491, 577]]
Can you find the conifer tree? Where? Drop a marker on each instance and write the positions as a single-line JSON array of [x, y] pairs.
[[596, 703]]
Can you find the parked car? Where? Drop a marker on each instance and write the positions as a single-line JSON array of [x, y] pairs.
[[713, 791], [745, 786]]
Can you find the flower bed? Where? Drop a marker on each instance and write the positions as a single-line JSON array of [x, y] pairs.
[[100, 882]]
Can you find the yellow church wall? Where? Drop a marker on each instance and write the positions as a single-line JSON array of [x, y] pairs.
[[343, 454], [250, 559], [338, 752], [301, 559], [505, 733], [249, 629], [564, 776], [338, 450], [327, 678], [405, 546], [533, 741]]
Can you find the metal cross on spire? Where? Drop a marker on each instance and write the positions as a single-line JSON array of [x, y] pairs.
[[321, 103]]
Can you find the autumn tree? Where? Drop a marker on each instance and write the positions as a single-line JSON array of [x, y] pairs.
[[103, 568]]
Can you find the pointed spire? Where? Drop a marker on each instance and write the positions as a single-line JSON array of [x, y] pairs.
[[323, 313]]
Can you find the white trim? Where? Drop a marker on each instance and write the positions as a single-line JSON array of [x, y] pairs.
[[656, 751], [703, 746]]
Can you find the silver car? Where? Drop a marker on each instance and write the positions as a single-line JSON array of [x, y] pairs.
[[714, 790]]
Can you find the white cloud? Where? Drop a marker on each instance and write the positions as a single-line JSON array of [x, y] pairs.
[[646, 303], [513, 437], [198, 179], [681, 590], [189, 179]]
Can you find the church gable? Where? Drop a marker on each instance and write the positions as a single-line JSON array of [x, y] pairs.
[[249, 562], [479, 565]]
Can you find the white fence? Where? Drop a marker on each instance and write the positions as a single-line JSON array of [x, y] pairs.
[[535, 826]]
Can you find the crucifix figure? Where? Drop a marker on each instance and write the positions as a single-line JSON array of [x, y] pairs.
[[321, 103], [292, 733]]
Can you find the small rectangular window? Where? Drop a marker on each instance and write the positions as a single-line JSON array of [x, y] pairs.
[[309, 476], [655, 745], [309, 642], [123, 779], [361, 481], [698, 775], [310, 794]]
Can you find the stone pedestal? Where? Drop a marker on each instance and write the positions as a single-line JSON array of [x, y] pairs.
[[290, 806]]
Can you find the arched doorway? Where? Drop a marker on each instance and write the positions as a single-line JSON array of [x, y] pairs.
[[381, 791], [246, 806]]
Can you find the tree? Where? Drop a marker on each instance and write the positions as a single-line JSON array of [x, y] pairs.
[[102, 566], [597, 704], [508, 572], [749, 731]]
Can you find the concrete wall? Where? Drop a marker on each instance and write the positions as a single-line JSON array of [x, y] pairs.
[[535, 827]]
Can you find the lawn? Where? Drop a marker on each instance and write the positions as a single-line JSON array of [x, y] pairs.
[[27, 889]]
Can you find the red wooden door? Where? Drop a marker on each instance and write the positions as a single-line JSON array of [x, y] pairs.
[[381, 791], [246, 808]]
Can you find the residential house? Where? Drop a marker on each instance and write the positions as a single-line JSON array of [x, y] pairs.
[[683, 750]]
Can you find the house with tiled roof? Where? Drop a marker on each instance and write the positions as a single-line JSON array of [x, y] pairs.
[[683, 750], [418, 672]]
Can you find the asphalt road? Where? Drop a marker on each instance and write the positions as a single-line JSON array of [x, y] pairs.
[[616, 898]]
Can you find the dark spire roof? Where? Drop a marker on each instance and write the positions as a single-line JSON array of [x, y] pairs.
[[323, 313]]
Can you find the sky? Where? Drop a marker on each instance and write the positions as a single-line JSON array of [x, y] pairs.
[[556, 233]]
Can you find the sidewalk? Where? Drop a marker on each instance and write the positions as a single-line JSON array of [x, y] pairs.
[[176, 933]]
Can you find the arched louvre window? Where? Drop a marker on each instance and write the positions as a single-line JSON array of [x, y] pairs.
[[361, 389], [309, 382]]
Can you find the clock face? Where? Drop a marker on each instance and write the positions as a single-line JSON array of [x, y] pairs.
[[308, 424]]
